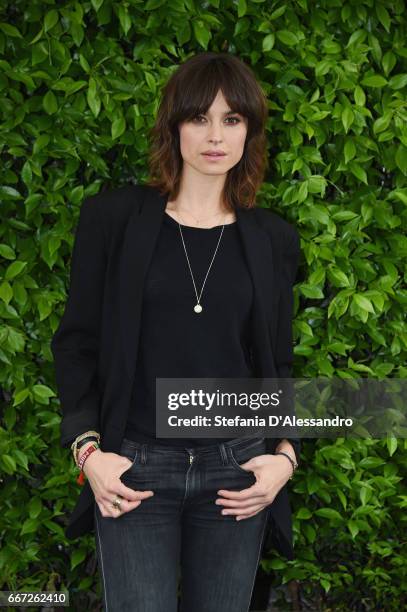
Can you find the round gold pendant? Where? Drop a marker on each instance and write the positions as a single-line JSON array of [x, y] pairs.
[[198, 308]]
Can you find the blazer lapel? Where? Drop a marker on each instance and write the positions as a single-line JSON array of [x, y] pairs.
[[139, 241], [259, 257]]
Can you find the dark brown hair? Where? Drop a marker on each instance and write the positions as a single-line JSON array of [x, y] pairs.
[[190, 91]]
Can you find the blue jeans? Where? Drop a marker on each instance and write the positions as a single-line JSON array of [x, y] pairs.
[[177, 541]]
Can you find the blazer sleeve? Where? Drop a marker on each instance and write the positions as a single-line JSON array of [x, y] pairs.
[[75, 344], [284, 342]]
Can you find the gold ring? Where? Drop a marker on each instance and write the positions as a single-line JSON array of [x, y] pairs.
[[116, 503]]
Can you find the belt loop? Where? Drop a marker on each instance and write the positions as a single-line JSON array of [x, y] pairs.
[[223, 453], [143, 455]]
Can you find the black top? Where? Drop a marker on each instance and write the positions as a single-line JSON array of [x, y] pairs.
[[175, 341]]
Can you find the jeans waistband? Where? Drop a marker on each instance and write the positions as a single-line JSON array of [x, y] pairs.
[[242, 442]]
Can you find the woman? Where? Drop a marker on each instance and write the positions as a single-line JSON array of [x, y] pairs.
[[183, 277]]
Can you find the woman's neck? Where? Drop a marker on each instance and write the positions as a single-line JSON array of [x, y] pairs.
[[200, 216]]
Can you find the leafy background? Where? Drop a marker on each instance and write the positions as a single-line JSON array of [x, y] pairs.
[[79, 88]]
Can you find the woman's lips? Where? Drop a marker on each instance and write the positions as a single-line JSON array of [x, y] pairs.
[[213, 156]]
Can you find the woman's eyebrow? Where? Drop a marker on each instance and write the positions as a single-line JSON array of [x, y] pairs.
[[225, 113]]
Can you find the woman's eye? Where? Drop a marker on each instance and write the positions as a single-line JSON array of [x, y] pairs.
[[235, 119]]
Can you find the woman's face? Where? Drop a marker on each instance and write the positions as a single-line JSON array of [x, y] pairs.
[[218, 130]]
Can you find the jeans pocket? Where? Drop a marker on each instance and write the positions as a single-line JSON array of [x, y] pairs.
[[128, 450], [243, 453]]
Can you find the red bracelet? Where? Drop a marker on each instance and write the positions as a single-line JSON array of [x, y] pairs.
[[81, 478]]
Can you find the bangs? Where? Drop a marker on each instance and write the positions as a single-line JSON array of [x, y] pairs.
[[200, 89]]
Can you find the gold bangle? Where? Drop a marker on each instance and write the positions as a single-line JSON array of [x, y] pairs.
[[79, 438]]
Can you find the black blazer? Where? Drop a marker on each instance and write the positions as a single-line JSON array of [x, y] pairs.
[[95, 345]]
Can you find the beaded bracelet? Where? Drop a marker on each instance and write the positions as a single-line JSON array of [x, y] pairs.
[[81, 478]]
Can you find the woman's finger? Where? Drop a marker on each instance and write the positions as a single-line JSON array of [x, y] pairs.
[[246, 516], [119, 488], [125, 505], [234, 503], [242, 511]]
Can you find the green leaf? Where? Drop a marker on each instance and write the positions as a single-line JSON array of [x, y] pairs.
[[343, 498], [311, 291], [388, 62], [347, 118], [202, 34], [6, 292], [34, 507], [76, 194], [97, 4], [241, 8], [391, 442], [303, 513], [51, 19], [287, 37], [375, 80], [309, 532], [42, 392], [363, 302], [353, 528], [349, 150], [26, 173], [277, 564], [50, 103], [118, 127], [359, 367], [7, 252], [150, 81], [268, 42], [53, 527], [360, 97], [14, 339], [328, 513], [9, 463], [401, 158], [398, 81], [337, 347], [344, 215], [30, 525], [77, 557], [125, 19], [316, 184], [10, 30], [40, 143], [371, 462], [358, 171], [383, 16], [9, 193], [382, 123], [93, 97], [14, 269], [21, 458], [365, 494], [21, 396], [338, 277]]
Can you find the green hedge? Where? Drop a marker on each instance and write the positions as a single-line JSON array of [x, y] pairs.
[[79, 88]]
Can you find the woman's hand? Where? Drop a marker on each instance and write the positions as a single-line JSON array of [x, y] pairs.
[[271, 472], [103, 470]]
